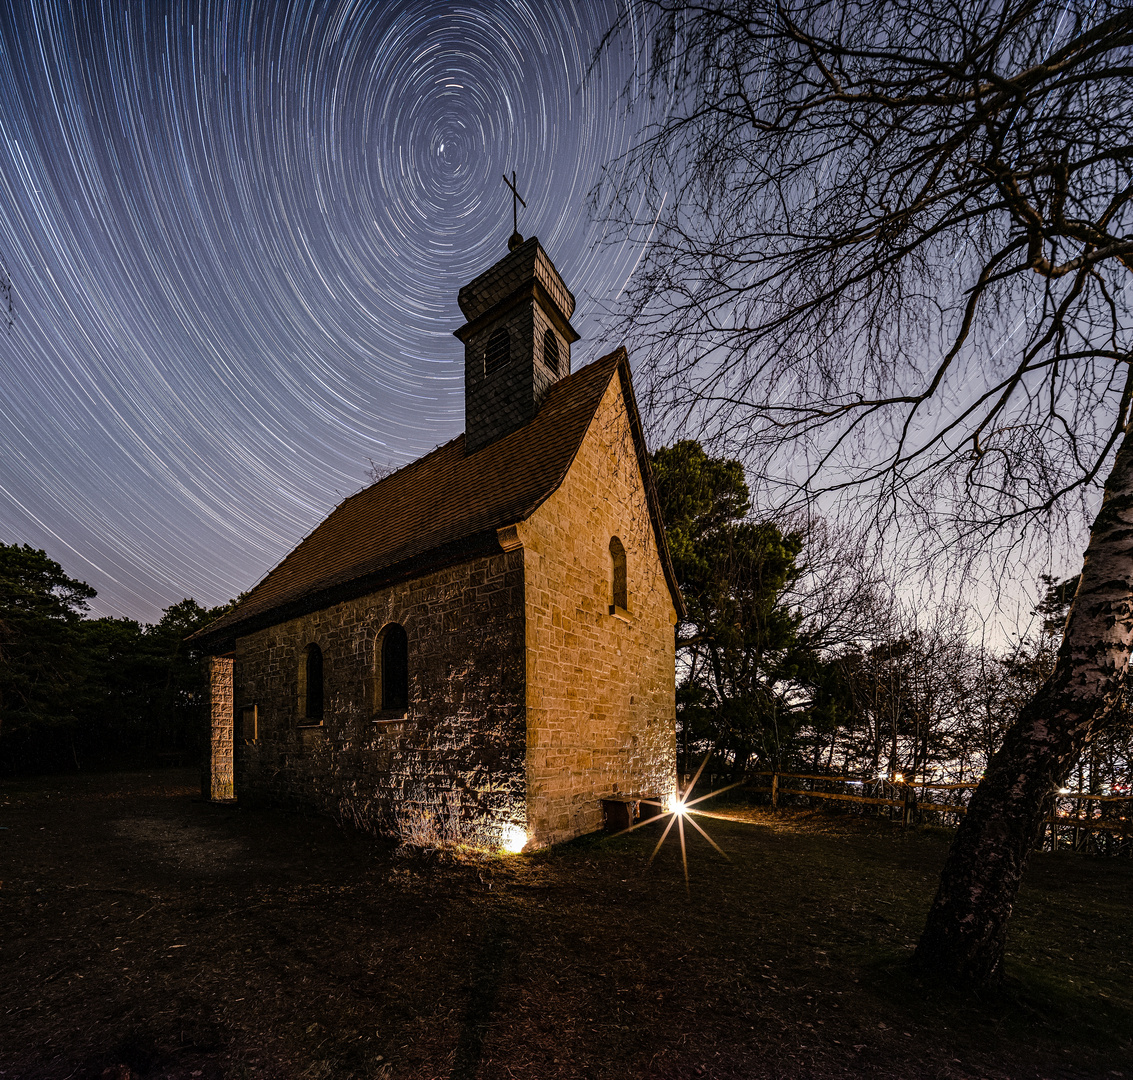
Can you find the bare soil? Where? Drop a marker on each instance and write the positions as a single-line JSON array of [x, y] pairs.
[[144, 934]]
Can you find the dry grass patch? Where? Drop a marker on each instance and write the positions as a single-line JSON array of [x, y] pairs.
[[177, 939]]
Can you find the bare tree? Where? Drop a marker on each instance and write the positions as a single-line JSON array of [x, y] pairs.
[[890, 248]]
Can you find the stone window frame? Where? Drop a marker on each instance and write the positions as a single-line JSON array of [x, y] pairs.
[[383, 715], [303, 697], [619, 580]]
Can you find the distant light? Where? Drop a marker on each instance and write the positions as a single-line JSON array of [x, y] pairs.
[[514, 839], [898, 777], [679, 807], [1063, 791]]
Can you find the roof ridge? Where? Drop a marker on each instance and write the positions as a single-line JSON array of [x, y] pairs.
[[349, 499], [614, 359], [399, 472]]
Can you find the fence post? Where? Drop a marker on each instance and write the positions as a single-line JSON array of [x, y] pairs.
[[775, 791]]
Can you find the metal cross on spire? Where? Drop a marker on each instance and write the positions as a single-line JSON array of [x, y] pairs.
[[515, 239]]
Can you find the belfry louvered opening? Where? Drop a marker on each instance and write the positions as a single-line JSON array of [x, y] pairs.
[[498, 352]]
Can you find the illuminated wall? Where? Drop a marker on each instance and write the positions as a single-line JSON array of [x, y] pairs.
[[454, 762]]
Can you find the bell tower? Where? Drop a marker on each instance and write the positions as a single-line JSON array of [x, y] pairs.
[[516, 341]]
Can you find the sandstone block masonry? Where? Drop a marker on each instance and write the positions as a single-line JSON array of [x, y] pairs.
[[220, 785], [500, 698], [601, 705], [455, 760]]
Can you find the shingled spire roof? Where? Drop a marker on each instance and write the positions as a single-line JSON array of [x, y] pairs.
[[442, 509]]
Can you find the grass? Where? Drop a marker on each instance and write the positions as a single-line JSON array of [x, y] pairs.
[[147, 932]]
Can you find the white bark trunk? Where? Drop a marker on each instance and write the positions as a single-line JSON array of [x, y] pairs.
[[965, 935]]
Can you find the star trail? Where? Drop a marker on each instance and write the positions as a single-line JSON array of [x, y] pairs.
[[235, 233]]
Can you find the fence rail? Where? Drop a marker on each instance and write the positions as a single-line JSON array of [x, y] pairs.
[[1080, 820]]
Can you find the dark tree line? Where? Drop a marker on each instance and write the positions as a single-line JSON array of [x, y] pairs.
[[925, 698], [890, 254], [778, 670], [78, 692]]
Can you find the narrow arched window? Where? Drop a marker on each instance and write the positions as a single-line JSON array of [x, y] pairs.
[[395, 669], [498, 352], [551, 350], [313, 669], [619, 597]]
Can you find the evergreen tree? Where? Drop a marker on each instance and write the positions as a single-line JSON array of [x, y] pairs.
[[76, 691], [43, 663], [739, 645]]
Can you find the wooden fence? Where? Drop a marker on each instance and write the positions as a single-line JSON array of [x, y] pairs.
[[1082, 821]]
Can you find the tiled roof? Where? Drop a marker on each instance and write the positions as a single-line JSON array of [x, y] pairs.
[[434, 504]]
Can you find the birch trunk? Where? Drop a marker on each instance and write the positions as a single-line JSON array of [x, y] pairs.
[[965, 935]]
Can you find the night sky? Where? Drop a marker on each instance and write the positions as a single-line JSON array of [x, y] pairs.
[[236, 232]]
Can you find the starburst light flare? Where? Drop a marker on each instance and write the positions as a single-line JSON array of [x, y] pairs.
[[678, 812]]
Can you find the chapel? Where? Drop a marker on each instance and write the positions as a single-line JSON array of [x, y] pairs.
[[480, 643]]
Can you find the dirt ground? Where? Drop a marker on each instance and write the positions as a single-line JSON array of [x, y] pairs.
[[144, 934]]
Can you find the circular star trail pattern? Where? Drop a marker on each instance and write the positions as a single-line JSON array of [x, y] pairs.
[[236, 232]]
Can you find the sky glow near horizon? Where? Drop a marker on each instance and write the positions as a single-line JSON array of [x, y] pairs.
[[236, 231]]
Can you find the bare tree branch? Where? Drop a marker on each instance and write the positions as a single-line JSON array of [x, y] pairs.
[[891, 257]]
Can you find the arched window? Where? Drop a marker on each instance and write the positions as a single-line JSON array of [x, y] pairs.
[[551, 350], [619, 597], [313, 683], [394, 659], [498, 352]]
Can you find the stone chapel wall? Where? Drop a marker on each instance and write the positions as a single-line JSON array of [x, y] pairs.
[[221, 741], [601, 708], [462, 747]]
